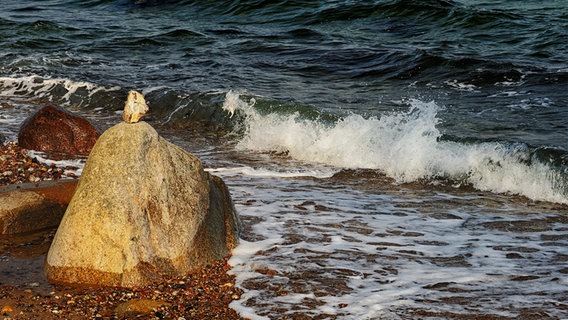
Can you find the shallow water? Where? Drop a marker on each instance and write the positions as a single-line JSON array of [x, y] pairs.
[[357, 244], [370, 249], [22, 257]]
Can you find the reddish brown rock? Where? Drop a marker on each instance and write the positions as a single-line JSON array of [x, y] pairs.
[[55, 130], [134, 307]]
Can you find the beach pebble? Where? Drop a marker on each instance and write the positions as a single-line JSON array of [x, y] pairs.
[[161, 300], [139, 306], [7, 309]]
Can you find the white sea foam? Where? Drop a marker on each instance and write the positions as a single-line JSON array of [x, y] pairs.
[[460, 86], [405, 146], [21, 94], [389, 257], [266, 172], [233, 103], [74, 166], [365, 255], [11, 116], [38, 87]]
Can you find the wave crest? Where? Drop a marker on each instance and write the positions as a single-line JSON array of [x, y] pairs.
[[406, 146]]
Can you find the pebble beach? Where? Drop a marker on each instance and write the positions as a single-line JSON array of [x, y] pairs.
[[204, 294], [16, 166]]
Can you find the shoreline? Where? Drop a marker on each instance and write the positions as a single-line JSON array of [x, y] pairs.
[[203, 294]]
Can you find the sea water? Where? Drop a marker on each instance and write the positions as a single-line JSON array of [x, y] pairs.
[[389, 159]]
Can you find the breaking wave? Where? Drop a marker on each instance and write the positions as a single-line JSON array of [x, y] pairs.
[[407, 146], [79, 94]]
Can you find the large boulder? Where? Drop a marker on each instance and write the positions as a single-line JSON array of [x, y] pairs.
[[144, 208], [53, 129]]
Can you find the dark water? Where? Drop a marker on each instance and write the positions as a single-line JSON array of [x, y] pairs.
[[496, 69], [439, 93], [499, 60]]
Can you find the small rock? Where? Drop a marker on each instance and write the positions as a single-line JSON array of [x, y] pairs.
[[135, 107], [7, 309], [33, 206], [139, 306]]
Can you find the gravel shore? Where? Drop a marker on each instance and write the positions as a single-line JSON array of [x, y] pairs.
[[203, 294], [16, 166]]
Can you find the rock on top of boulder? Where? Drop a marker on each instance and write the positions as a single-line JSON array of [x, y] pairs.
[[143, 208], [135, 107], [56, 130]]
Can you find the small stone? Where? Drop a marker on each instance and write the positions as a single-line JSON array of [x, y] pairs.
[[134, 108], [7, 309], [139, 306]]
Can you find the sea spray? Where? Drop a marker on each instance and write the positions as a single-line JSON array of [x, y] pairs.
[[407, 146]]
